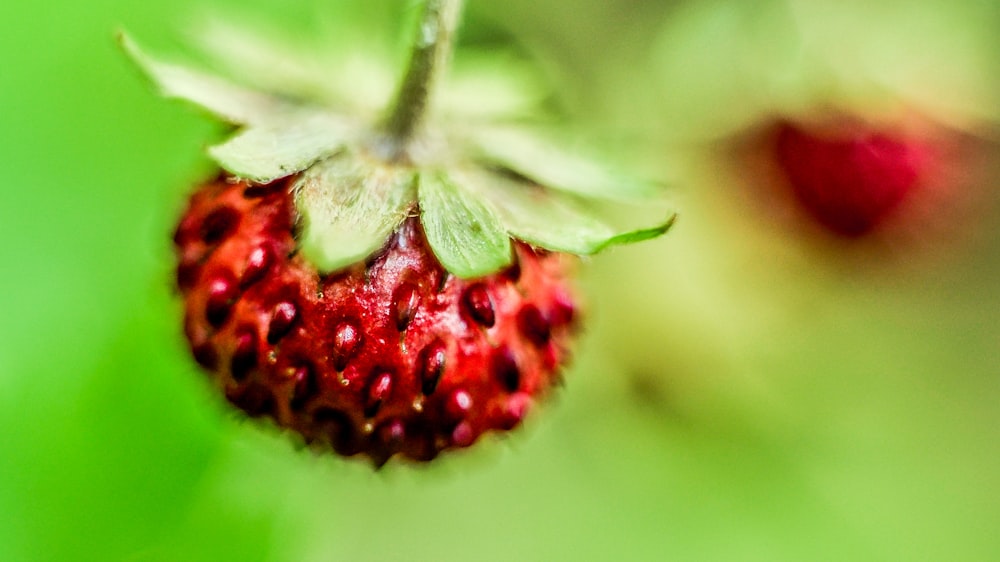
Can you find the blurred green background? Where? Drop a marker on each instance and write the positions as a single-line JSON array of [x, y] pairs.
[[746, 389]]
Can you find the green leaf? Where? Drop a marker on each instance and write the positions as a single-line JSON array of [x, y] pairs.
[[220, 97], [463, 231], [350, 206], [548, 219], [270, 151], [548, 164]]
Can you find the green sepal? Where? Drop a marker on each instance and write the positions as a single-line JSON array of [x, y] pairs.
[[507, 184], [489, 87], [549, 164], [220, 97], [353, 78], [266, 152], [479, 85], [547, 219], [349, 206], [462, 230]]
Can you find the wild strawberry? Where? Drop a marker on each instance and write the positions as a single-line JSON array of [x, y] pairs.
[[387, 288], [850, 179], [393, 354]]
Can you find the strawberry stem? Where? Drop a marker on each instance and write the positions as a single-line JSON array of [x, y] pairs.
[[431, 50]]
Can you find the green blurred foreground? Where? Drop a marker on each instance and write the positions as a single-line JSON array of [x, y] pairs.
[[743, 393]]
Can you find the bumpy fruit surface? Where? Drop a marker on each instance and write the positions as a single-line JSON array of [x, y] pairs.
[[850, 179], [393, 355]]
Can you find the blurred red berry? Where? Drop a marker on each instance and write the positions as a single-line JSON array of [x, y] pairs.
[[851, 179]]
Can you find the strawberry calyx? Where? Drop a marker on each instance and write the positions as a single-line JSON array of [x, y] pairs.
[[475, 186]]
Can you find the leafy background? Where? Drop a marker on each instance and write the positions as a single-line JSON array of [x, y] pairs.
[[745, 390]]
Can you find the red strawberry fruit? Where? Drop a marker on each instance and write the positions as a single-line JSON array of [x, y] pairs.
[[382, 287], [389, 355], [853, 178]]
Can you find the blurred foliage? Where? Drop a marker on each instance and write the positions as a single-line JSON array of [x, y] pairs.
[[744, 392]]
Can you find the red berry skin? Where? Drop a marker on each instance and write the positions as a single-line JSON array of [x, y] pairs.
[[851, 180], [391, 356]]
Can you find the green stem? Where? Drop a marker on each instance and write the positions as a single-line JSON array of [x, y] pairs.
[[431, 50]]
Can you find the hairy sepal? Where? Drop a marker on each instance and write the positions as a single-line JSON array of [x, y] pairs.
[[463, 231], [268, 151], [480, 85], [222, 98], [353, 78], [549, 219], [547, 163], [503, 182], [349, 206]]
